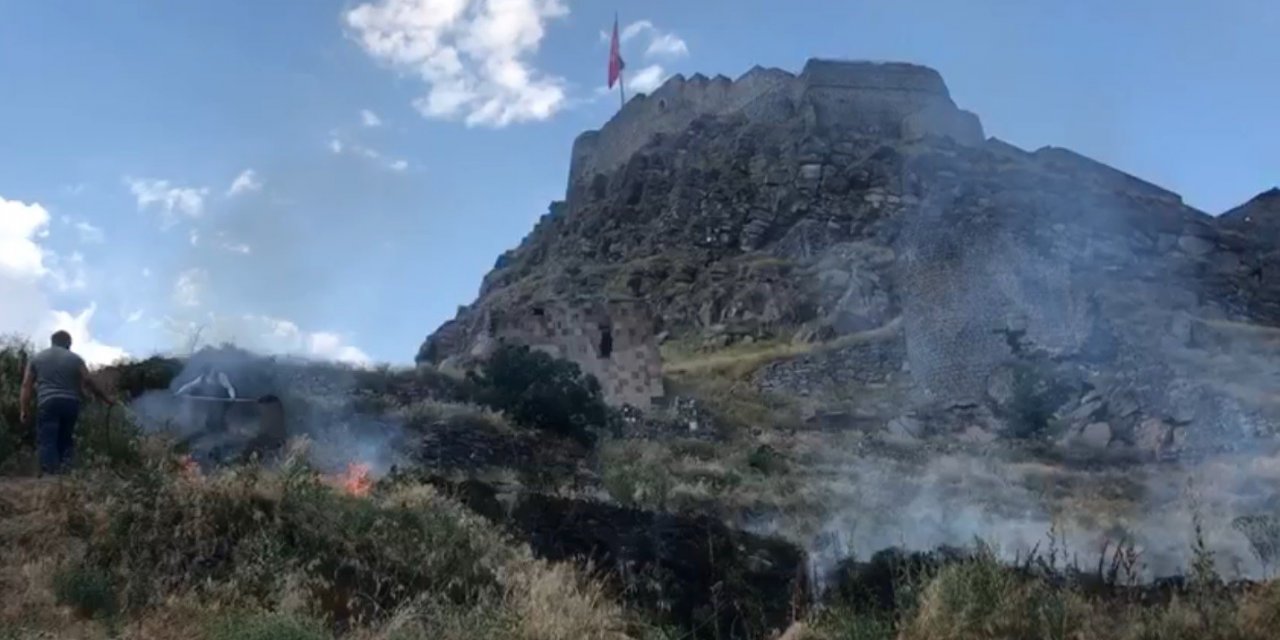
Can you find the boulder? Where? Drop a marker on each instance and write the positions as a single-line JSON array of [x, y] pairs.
[[906, 428], [1153, 436], [1095, 436]]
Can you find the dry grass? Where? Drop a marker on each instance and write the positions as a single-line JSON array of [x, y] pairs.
[[978, 599], [740, 360], [251, 554], [428, 412]]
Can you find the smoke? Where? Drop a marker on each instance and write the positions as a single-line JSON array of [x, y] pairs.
[[1035, 267], [1020, 507], [315, 401]]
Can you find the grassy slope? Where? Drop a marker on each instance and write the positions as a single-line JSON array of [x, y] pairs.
[[131, 547], [162, 554]]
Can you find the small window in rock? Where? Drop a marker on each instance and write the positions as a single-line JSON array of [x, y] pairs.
[[662, 104], [537, 311], [606, 342]]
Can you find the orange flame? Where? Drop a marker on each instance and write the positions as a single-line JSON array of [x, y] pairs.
[[190, 468], [357, 481]]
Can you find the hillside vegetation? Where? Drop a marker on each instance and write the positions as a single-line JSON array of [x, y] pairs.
[[137, 544]]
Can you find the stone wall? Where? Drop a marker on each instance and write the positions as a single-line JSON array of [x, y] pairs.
[[613, 340], [897, 100]]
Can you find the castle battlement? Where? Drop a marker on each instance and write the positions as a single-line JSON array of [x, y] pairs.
[[890, 99]]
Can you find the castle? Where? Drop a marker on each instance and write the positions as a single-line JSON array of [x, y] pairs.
[[612, 339], [890, 99]]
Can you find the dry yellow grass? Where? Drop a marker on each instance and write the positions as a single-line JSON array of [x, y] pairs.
[[740, 360], [44, 526]]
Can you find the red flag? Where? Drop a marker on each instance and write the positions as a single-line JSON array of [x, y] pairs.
[[615, 57]]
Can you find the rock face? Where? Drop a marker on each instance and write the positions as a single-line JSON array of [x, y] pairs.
[[1260, 216], [856, 198]]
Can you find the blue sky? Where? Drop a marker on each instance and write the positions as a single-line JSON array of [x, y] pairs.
[[333, 178]]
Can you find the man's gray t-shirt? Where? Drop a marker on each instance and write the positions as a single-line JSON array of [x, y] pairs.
[[57, 372]]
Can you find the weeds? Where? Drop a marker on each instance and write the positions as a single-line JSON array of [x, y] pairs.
[[265, 626], [89, 591]]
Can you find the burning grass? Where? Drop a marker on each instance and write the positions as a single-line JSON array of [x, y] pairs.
[[252, 554]]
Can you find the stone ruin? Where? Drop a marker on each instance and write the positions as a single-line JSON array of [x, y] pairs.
[[613, 339], [895, 100]]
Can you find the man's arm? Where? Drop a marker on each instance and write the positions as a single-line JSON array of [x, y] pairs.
[[93, 386], [28, 390]]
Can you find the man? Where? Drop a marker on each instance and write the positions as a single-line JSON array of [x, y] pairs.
[[59, 378]]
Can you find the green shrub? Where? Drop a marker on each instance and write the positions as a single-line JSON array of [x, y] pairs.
[[542, 392], [89, 590], [765, 459], [105, 436], [1036, 397], [265, 626], [851, 624], [133, 379], [242, 533], [14, 353]]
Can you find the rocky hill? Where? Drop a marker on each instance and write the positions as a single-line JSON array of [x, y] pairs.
[[854, 213]]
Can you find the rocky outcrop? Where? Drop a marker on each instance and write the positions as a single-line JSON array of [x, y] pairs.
[[855, 194], [1259, 216]]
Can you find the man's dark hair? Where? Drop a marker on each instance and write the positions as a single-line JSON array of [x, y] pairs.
[[61, 339]]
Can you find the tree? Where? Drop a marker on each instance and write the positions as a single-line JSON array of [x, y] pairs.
[[539, 391]]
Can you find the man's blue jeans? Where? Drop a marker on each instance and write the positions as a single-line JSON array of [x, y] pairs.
[[55, 434]]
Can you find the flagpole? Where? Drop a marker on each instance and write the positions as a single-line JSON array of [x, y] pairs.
[[622, 83]]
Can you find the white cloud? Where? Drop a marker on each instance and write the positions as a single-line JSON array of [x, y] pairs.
[[270, 335], [194, 235], [20, 224], [189, 287], [632, 30], [171, 200], [662, 44], [234, 247], [394, 164], [331, 346], [82, 340], [245, 182], [67, 274], [369, 118], [667, 45], [89, 234], [648, 79], [473, 55], [146, 272], [28, 271], [134, 316]]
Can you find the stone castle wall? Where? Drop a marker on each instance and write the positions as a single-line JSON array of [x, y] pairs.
[[613, 340], [896, 100]]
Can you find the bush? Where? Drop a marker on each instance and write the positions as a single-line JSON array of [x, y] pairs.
[[265, 626], [136, 378], [14, 353], [88, 590], [542, 392], [1036, 396], [247, 533]]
